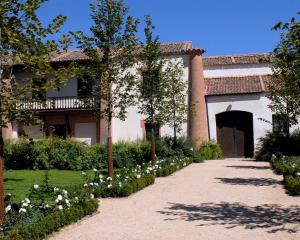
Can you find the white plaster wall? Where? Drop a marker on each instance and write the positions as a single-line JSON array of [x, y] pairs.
[[237, 70], [69, 90], [257, 104], [253, 103], [85, 133], [131, 128]]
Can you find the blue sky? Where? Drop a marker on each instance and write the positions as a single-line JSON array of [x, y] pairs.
[[219, 26]]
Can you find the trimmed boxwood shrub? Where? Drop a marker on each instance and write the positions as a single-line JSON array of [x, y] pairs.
[[171, 165], [52, 222], [210, 150], [292, 184], [128, 189]]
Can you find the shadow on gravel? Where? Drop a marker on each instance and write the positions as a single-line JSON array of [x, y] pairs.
[[273, 217], [249, 167], [250, 181]]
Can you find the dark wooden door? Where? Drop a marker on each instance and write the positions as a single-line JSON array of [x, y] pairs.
[[235, 133]]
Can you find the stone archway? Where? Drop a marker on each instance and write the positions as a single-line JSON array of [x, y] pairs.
[[235, 133]]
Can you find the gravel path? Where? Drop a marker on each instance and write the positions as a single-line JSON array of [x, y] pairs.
[[216, 200]]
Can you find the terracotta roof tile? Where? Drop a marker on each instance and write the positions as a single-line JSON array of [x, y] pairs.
[[166, 48], [234, 59], [236, 85]]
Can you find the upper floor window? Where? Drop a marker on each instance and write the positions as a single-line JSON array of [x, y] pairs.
[[280, 124]]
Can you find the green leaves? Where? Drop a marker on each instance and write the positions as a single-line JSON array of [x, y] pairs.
[[285, 85], [25, 56]]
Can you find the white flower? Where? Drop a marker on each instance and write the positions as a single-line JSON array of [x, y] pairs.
[[25, 204], [109, 186], [109, 179], [8, 208], [76, 198], [22, 210], [60, 207], [92, 196], [192, 149], [59, 197], [56, 200], [96, 184], [8, 194], [83, 173], [91, 184], [298, 174], [95, 170], [138, 176], [100, 176], [47, 206], [67, 201], [56, 189], [27, 200], [35, 186], [120, 184], [85, 185], [118, 175], [65, 192]]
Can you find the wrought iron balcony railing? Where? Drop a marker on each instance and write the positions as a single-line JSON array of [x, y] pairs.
[[60, 103]]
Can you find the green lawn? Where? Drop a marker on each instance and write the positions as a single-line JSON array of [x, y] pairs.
[[18, 182]]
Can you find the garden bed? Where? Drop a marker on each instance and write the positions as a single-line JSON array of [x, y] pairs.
[[289, 167]]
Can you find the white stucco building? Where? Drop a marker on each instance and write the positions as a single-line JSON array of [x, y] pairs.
[[229, 94]]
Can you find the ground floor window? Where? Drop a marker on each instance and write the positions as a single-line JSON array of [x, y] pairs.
[[57, 130], [279, 123], [148, 130]]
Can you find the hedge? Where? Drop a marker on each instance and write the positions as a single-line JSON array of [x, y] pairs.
[[52, 222], [289, 167], [128, 189], [171, 167], [56, 153], [278, 144], [210, 150]]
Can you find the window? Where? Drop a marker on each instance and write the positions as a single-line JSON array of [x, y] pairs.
[[148, 130], [279, 124], [150, 82], [56, 130]]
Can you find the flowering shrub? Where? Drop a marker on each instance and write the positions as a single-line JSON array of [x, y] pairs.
[[289, 167], [42, 200], [167, 166], [125, 182]]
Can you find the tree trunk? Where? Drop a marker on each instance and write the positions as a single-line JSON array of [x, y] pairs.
[[2, 212], [110, 165], [174, 128], [152, 141]]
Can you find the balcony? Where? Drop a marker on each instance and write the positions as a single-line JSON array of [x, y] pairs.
[[61, 103]]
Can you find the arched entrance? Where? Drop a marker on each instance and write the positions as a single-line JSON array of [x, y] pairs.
[[235, 133]]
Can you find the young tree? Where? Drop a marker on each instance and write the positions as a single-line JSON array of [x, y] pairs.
[[23, 48], [284, 87], [176, 108], [111, 50], [151, 88]]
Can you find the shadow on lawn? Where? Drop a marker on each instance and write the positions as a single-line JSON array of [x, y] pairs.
[[249, 167], [273, 217], [250, 181], [13, 180]]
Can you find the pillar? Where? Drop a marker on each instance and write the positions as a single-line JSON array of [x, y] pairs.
[[198, 125]]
